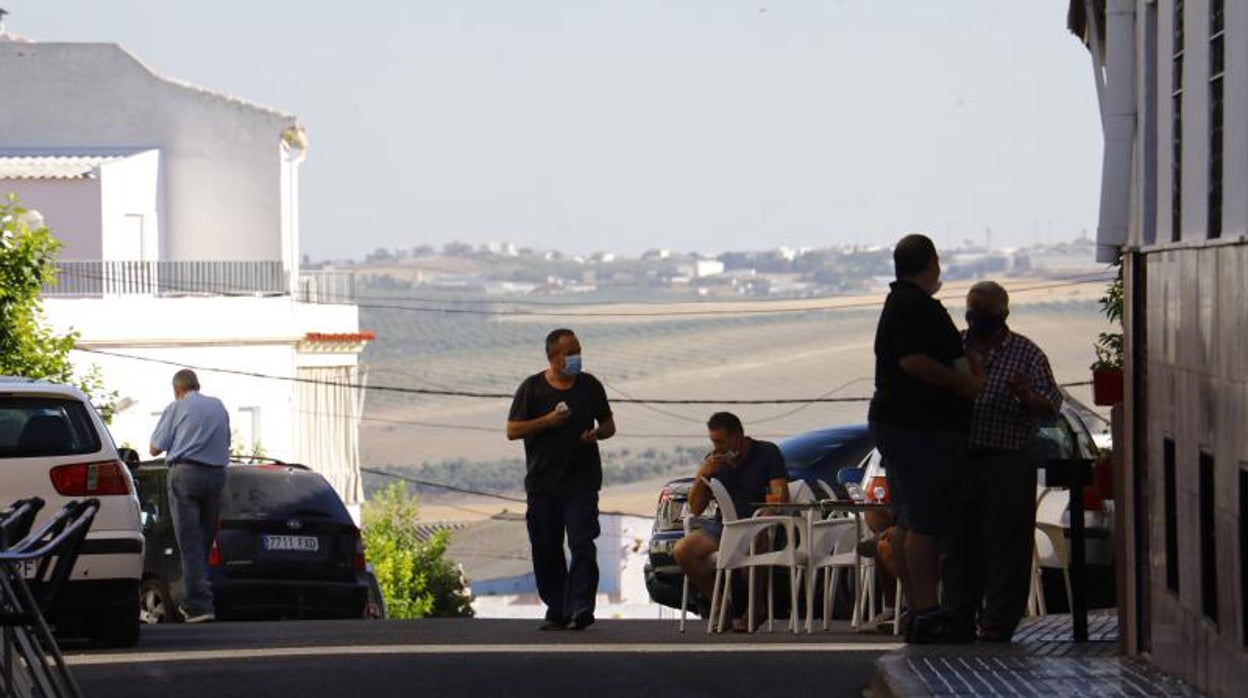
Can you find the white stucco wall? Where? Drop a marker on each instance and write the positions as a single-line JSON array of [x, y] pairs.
[[622, 556], [129, 205], [221, 157], [237, 335]]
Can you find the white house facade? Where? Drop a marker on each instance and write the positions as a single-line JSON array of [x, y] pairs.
[[1172, 77], [177, 208]]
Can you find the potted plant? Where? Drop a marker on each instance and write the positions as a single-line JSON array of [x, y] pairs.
[[1107, 384]]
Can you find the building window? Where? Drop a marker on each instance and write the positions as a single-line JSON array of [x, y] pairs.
[[1243, 551], [1208, 539], [1176, 125], [1217, 69], [1170, 499]]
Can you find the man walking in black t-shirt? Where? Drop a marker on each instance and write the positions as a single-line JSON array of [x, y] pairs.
[[920, 415], [562, 413]]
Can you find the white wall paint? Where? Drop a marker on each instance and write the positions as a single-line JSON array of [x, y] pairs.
[[129, 194], [222, 162], [250, 335]]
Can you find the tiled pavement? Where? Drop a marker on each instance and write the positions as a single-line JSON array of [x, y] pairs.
[[1043, 660]]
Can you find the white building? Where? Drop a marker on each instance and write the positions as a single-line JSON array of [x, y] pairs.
[[178, 210], [707, 267], [1172, 78]]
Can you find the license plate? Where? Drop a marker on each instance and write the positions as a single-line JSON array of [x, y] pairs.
[[306, 544]]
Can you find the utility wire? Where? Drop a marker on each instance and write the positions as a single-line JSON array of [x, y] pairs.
[[462, 393], [492, 396], [477, 493]]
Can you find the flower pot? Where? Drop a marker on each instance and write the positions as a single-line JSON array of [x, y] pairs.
[[1107, 386]]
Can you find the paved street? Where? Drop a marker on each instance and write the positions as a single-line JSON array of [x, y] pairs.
[[492, 658]]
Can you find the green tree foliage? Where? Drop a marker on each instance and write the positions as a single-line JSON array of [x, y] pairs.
[[27, 346], [1109, 345], [416, 578]]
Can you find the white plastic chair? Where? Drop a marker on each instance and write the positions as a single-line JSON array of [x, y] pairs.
[[1056, 535], [799, 491], [736, 551], [1035, 596], [684, 587], [833, 547]]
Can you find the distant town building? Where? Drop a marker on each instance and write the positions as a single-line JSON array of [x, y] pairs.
[[707, 267]]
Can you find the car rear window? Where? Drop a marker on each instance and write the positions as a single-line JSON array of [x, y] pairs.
[[272, 491], [45, 426]]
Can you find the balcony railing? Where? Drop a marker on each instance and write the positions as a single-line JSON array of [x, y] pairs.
[[99, 279], [323, 286]]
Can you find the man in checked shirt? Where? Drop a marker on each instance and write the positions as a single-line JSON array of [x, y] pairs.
[[988, 563]]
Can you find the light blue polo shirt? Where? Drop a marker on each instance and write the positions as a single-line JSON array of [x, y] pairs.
[[197, 428]]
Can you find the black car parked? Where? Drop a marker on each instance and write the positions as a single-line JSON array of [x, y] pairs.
[[811, 456], [286, 547]]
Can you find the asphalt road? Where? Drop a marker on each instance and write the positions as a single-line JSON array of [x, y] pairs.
[[489, 658]]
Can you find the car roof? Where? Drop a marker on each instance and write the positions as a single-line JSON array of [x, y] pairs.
[[38, 386], [805, 449]]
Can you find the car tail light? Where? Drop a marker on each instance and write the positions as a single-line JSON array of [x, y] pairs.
[[90, 479], [360, 561], [877, 490], [214, 554]]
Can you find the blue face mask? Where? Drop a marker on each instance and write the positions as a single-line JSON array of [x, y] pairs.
[[571, 364]]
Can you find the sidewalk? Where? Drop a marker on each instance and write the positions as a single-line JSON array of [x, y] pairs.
[[1043, 660]]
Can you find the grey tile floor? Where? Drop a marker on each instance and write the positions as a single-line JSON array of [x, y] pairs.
[[1042, 661]]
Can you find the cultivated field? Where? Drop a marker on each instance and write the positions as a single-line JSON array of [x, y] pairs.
[[750, 351]]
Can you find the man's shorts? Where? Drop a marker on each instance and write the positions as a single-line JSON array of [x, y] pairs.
[[921, 467], [711, 528]]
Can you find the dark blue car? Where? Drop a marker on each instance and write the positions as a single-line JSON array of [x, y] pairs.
[[811, 456]]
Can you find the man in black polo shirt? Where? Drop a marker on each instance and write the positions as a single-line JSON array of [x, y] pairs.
[[750, 470], [562, 413], [920, 416]]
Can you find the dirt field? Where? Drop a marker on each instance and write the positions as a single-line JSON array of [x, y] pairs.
[[656, 352]]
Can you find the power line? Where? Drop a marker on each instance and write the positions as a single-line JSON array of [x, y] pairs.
[[463, 393], [492, 396], [476, 493]]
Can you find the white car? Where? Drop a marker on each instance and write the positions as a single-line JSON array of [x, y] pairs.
[[55, 446]]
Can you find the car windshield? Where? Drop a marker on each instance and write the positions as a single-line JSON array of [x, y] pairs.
[[258, 492], [45, 426]]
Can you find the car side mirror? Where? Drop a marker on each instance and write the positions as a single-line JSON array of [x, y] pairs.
[[130, 457]]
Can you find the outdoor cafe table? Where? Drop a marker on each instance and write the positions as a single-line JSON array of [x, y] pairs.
[[807, 511]]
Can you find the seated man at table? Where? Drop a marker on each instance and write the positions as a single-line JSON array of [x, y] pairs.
[[750, 470]]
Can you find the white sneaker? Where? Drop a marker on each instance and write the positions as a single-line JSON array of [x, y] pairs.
[[190, 617]]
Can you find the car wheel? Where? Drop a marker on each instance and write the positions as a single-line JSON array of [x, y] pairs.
[[155, 603], [116, 626]]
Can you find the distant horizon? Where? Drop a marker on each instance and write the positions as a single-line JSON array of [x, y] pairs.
[[1082, 237]]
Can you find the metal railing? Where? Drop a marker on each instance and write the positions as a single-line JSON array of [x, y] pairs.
[[31, 663], [324, 286], [100, 279]]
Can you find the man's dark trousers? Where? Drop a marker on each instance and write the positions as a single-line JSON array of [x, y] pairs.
[[991, 539], [566, 588]]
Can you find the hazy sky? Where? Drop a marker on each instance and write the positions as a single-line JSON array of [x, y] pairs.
[[694, 125]]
